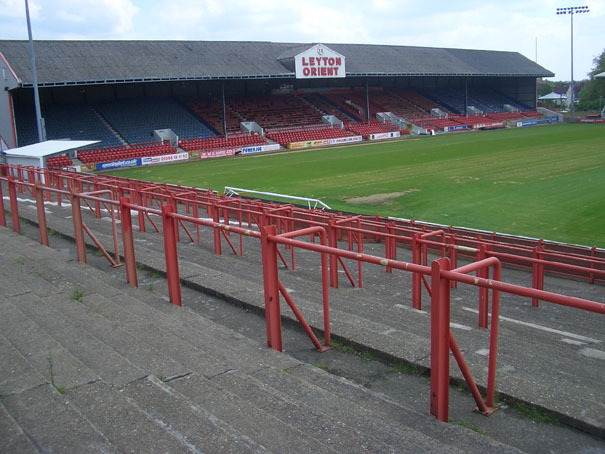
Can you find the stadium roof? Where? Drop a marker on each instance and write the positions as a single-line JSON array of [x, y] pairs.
[[93, 62]]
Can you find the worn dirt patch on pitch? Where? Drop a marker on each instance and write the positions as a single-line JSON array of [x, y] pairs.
[[379, 199]]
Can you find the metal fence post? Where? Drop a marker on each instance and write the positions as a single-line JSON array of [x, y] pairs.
[[129, 258], [416, 278], [171, 255], [217, 232], [2, 213], [41, 214], [76, 214], [483, 292], [12, 192], [271, 285], [440, 340], [333, 242]]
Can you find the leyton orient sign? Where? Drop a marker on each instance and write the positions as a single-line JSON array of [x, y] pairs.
[[319, 62]]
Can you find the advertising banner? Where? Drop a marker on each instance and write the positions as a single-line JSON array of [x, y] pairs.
[[339, 140], [164, 158], [384, 135], [455, 128], [119, 164], [259, 148], [218, 153], [324, 142], [319, 62]]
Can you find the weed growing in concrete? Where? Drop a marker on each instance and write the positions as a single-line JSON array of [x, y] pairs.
[[54, 233], [477, 429], [287, 370], [337, 345], [150, 287], [17, 260], [77, 296], [59, 389], [402, 369], [367, 356], [321, 366], [535, 414]]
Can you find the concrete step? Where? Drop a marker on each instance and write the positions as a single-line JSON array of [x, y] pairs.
[[92, 352], [198, 428], [283, 436], [122, 423], [12, 437], [52, 424], [392, 416]]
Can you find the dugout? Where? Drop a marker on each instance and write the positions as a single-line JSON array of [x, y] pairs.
[[76, 74]]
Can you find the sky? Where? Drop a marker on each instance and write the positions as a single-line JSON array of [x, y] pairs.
[[530, 27]]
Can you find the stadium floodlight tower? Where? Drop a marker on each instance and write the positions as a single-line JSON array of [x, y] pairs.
[[39, 118], [572, 10]]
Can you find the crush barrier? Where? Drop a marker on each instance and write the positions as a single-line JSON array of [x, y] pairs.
[[278, 225]]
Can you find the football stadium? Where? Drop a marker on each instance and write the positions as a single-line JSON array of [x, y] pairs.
[[290, 247]]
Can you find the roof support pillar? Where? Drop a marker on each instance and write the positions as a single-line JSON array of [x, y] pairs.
[[224, 108], [367, 101]]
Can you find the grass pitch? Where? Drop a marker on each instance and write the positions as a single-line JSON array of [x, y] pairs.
[[545, 182]]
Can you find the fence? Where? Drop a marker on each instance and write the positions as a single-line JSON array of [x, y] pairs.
[[284, 225]]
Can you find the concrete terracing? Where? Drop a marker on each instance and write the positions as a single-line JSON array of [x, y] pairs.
[[551, 357]]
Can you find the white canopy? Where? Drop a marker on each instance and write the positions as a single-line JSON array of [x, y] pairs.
[[48, 148], [552, 95]]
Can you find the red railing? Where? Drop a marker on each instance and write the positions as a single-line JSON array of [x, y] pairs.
[[282, 225]]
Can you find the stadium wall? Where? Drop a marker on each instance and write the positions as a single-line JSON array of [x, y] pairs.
[[7, 119]]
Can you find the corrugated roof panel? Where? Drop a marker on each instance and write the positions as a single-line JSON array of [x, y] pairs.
[[82, 61]]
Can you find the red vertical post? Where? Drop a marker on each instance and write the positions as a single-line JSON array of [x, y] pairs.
[[593, 253], [325, 287], [97, 203], [140, 202], [416, 278], [59, 185], [333, 242], [483, 292], [271, 286], [171, 254], [535, 280], [493, 339], [440, 340], [360, 250], [129, 258], [453, 257], [76, 214], [39, 194], [217, 232], [12, 192], [2, 213]]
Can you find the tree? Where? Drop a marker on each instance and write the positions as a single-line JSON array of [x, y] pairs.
[[594, 91]]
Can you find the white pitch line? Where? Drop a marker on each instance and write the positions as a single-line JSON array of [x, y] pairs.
[[540, 327]]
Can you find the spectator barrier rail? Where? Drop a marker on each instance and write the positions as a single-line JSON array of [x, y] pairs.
[[441, 271]]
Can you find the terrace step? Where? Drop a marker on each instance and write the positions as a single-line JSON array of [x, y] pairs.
[[132, 366]]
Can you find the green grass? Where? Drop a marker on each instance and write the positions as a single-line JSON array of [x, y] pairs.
[[546, 182]]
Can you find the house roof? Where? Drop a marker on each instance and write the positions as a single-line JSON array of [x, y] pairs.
[[89, 62]]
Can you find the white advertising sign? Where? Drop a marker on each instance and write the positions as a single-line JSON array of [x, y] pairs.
[[319, 62], [164, 158]]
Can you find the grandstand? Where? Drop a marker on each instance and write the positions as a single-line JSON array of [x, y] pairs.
[[261, 92]]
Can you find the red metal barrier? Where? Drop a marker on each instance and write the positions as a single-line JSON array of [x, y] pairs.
[[442, 277], [171, 255], [39, 191]]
